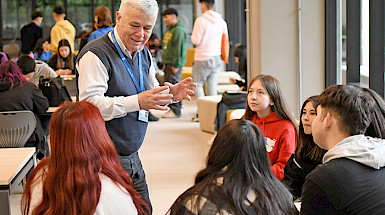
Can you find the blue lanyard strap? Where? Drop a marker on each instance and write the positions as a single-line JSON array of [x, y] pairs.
[[139, 87]]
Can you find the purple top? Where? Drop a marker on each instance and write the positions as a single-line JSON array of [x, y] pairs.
[[3, 57]]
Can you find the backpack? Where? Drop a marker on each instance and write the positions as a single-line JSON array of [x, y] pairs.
[[54, 90]]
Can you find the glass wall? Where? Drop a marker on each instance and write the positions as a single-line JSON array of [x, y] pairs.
[[16, 13]]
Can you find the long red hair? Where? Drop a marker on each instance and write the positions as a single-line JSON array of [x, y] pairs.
[[80, 149]]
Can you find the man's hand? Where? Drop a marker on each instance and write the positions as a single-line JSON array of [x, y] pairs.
[[182, 90], [150, 100]]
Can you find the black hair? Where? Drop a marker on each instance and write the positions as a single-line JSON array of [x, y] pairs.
[[60, 60], [36, 14], [59, 9], [241, 52], [26, 64], [351, 105], [39, 47], [209, 3], [238, 156], [306, 147], [153, 37], [170, 10], [377, 125]]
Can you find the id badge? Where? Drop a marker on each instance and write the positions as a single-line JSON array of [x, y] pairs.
[[143, 115]]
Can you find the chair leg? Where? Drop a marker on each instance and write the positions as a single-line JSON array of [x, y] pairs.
[[34, 160]]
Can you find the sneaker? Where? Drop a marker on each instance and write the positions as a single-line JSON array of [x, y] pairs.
[[151, 117], [170, 114], [195, 118]]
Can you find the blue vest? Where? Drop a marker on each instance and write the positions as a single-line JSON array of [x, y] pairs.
[[126, 132]]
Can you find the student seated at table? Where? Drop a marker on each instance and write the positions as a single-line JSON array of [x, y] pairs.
[[18, 94], [34, 70], [237, 178], [64, 61], [83, 174], [41, 51]]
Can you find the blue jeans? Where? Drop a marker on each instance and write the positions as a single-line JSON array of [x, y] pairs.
[[133, 166]]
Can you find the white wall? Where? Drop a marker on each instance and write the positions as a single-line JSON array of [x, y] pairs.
[[275, 24], [313, 48]]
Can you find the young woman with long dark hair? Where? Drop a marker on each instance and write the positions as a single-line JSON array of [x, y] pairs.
[[64, 61], [308, 155], [237, 178], [240, 56], [83, 174], [267, 108]]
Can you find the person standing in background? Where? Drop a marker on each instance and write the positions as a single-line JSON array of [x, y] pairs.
[[63, 29], [103, 22], [116, 73], [173, 55], [207, 38], [31, 32]]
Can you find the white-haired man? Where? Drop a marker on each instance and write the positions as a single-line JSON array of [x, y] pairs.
[[115, 72]]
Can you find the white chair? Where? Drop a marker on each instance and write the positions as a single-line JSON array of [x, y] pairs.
[[15, 128], [207, 111]]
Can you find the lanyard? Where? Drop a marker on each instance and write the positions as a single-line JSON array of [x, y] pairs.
[[139, 88]]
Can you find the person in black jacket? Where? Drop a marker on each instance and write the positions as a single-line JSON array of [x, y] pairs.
[[307, 155], [18, 94], [31, 32], [351, 177]]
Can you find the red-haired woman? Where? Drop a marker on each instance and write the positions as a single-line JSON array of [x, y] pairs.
[[83, 174]]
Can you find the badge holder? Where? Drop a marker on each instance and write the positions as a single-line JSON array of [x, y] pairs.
[[143, 115]]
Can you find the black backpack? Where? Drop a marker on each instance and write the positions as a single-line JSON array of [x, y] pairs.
[[54, 90]]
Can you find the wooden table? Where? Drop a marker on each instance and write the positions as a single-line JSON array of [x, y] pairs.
[[15, 163]]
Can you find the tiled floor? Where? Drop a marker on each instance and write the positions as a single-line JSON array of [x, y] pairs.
[[173, 151]]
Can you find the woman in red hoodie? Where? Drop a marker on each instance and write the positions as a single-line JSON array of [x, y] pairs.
[[267, 108]]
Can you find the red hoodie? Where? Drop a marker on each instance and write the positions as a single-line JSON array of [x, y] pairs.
[[281, 140]]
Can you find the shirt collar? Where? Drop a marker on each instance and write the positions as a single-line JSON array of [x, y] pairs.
[[121, 45]]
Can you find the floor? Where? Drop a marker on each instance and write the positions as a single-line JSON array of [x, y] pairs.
[[173, 151]]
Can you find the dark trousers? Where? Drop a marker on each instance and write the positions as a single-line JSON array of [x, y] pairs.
[[172, 78], [133, 166]]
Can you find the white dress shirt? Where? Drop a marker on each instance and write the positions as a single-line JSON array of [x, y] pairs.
[[93, 78]]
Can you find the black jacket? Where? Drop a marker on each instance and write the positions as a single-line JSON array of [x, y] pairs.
[[25, 97], [29, 35], [344, 186], [296, 172]]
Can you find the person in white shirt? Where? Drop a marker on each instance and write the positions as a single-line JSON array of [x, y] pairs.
[[33, 70], [207, 37], [116, 73]]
